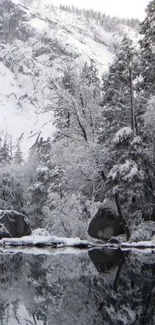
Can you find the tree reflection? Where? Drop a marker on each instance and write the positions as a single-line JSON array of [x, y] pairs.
[[102, 287], [128, 297], [43, 290]]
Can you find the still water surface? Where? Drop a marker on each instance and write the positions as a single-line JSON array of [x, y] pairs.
[[99, 287]]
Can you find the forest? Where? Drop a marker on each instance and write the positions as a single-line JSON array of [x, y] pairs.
[[104, 144]]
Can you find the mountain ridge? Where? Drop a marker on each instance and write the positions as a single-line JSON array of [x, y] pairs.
[[36, 46]]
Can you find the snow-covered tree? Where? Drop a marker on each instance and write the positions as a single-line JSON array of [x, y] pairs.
[[149, 138], [13, 188], [89, 75], [18, 157], [147, 46], [118, 96], [129, 174], [47, 178], [77, 110], [5, 154]]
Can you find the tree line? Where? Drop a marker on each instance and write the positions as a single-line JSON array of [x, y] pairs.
[[110, 24]]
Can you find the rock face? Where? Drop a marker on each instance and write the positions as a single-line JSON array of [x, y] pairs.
[[105, 224], [4, 232], [13, 224]]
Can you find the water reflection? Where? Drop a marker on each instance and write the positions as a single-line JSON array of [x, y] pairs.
[[48, 289], [106, 259], [128, 282], [102, 286]]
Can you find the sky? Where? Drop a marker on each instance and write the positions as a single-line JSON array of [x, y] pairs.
[[119, 8]]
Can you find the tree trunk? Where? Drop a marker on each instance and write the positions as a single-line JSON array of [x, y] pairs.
[[126, 228], [131, 98]]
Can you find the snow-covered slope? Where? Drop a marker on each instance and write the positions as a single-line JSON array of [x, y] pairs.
[[36, 44]]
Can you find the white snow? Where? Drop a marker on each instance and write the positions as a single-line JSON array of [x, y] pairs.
[[18, 117], [2, 212], [126, 171], [44, 240], [113, 172], [133, 172], [40, 232], [136, 140], [42, 251], [64, 245], [41, 169], [38, 23], [122, 135], [56, 38], [140, 244]]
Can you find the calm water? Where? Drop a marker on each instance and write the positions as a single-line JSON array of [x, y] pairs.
[[70, 288]]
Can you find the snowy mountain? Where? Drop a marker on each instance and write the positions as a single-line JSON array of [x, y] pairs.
[[37, 42]]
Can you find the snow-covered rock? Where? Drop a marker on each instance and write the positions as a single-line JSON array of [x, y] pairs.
[[40, 232], [15, 223]]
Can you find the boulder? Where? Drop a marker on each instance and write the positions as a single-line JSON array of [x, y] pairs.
[[4, 232], [15, 223], [105, 224]]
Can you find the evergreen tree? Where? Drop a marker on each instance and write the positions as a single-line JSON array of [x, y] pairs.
[[18, 157], [147, 46], [12, 187], [89, 75], [125, 170], [5, 156], [47, 178], [118, 106]]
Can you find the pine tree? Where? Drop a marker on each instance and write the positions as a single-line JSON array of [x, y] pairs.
[[128, 173], [118, 105], [146, 89], [5, 156], [89, 75], [147, 46], [48, 177], [18, 157]]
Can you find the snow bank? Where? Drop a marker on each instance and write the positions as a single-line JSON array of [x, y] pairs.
[[35, 240], [140, 244], [36, 244], [43, 251], [45, 241]]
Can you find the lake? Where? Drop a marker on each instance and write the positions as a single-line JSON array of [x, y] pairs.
[[73, 287]]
